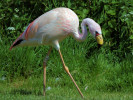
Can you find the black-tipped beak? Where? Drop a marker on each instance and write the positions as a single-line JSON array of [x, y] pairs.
[[99, 45]]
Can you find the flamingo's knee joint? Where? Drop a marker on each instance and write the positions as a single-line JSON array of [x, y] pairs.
[[66, 69]]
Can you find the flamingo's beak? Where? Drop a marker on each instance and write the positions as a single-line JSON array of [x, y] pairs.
[[99, 39]]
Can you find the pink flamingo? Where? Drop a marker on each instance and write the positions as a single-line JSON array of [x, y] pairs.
[[52, 27]]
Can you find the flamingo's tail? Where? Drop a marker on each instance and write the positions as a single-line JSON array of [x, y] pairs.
[[17, 41]]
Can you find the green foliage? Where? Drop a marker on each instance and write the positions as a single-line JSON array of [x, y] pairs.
[[115, 19]]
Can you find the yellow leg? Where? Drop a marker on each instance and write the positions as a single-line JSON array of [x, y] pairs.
[[67, 70], [44, 70]]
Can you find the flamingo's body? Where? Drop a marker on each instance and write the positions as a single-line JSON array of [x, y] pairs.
[[52, 27], [55, 25]]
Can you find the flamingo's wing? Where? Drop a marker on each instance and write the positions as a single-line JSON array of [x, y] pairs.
[[34, 27]]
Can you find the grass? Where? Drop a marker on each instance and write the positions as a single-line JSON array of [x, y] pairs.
[[101, 96], [98, 72], [31, 89]]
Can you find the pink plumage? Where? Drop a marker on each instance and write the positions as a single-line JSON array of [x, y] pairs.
[[53, 26]]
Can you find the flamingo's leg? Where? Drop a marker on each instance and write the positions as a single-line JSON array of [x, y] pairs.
[[44, 70], [67, 70]]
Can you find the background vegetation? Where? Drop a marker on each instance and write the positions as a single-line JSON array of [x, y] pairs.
[[101, 70]]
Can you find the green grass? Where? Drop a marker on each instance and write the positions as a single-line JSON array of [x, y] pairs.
[[100, 71], [52, 96], [32, 89]]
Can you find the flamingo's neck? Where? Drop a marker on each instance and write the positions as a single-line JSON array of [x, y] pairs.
[[82, 36]]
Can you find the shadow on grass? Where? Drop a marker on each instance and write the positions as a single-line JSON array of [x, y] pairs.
[[21, 91], [25, 92]]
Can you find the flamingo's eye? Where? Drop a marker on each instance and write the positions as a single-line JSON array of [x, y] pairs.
[[97, 33]]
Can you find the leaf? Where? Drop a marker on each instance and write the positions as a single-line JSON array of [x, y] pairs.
[[112, 23], [131, 37], [69, 4], [84, 13], [0, 40], [111, 12], [131, 12]]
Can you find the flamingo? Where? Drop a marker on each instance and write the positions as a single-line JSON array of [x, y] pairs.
[[54, 26]]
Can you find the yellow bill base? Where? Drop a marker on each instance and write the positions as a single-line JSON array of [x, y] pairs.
[[99, 39]]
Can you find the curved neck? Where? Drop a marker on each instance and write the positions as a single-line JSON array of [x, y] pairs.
[[82, 36]]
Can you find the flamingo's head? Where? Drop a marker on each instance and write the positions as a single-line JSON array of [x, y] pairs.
[[99, 38], [95, 30]]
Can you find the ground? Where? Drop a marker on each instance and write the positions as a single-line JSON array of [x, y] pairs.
[[32, 89]]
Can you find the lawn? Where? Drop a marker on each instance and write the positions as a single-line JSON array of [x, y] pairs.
[[32, 89]]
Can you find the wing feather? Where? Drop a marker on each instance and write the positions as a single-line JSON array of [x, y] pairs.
[[31, 30]]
